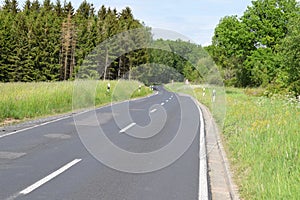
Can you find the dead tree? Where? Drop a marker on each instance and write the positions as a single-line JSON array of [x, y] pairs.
[[68, 46]]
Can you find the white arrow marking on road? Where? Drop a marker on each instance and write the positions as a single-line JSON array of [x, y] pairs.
[[49, 177], [127, 127], [152, 111]]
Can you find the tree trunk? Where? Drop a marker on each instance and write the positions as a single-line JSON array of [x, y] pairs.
[[106, 64]]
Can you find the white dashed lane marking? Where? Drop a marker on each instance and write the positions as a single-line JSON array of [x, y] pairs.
[[154, 110], [49, 177], [127, 127]]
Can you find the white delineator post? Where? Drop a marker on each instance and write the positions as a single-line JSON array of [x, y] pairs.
[[214, 93], [108, 87]]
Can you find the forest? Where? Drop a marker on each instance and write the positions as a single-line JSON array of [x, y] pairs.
[[52, 41], [261, 48], [47, 42]]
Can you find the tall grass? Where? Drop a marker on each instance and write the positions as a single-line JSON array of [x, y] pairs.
[[29, 100], [262, 138]]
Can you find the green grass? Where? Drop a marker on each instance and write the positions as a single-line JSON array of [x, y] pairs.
[[262, 136], [262, 139], [21, 101]]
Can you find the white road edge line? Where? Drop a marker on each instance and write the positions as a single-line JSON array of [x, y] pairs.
[[49, 177], [203, 176], [127, 127], [71, 115], [203, 181], [32, 127], [154, 110], [162, 104]]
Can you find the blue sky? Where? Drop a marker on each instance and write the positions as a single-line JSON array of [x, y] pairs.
[[195, 19]]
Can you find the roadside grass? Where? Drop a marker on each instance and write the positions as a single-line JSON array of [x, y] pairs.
[[262, 136], [23, 101], [262, 139]]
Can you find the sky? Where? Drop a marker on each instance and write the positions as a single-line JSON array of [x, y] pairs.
[[195, 19]]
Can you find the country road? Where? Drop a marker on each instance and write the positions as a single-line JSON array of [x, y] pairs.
[[64, 161]]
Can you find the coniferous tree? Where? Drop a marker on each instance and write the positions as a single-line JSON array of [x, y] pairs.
[[27, 7], [58, 9], [46, 41]]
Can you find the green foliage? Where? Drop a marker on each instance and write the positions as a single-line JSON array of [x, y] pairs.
[[267, 19], [290, 48], [262, 65], [256, 49], [48, 42], [262, 138], [184, 57], [154, 73]]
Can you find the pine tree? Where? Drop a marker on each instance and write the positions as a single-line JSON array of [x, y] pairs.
[[47, 41], [27, 7], [58, 9]]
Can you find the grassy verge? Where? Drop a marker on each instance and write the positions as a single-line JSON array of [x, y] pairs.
[[262, 138], [21, 101]]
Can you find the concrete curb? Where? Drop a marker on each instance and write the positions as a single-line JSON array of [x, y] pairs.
[[221, 185]]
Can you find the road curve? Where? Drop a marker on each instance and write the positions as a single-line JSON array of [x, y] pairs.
[[53, 161]]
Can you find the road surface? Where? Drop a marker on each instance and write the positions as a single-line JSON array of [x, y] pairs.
[[52, 162]]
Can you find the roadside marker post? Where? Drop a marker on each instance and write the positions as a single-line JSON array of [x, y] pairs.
[[214, 93], [108, 87]]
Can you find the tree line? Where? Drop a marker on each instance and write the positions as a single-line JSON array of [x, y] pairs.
[[53, 42], [260, 48], [48, 41], [136, 55]]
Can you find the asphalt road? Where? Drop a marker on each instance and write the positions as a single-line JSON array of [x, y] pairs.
[[53, 161]]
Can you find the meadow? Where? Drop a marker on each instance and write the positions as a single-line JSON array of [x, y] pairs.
[[24, 101], [262, 139]]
